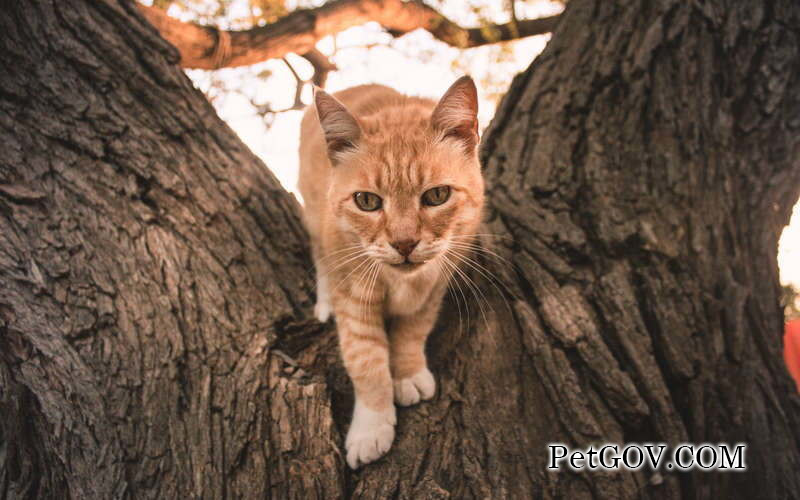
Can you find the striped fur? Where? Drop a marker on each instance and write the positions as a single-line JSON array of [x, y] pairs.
[[372, 139]]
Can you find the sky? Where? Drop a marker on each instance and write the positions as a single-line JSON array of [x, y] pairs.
[[415, 64]]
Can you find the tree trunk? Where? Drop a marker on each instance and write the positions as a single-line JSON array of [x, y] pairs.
[[155, 339]]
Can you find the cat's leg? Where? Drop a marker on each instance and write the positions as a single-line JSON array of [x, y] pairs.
[[365, 352], [413, 381], [323, 308]]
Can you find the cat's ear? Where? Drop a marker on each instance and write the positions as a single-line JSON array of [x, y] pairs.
[[456, 115], [340, 127]]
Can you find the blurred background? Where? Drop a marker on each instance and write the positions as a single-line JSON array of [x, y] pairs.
[[260, 102]]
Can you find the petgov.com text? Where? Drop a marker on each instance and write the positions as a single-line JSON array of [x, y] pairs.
[[654, 456]]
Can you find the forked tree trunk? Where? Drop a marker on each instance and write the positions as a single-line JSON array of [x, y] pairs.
[[155, 339]]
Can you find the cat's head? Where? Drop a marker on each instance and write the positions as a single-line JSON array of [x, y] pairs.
[[406, 183]]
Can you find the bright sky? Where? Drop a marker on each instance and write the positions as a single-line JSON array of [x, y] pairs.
[[789, 251], [415, 64]]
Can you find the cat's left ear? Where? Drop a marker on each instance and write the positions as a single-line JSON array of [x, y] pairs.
[[341, 128], [456, 115]]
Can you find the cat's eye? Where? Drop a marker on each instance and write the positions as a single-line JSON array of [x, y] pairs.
[[436, 196], [368, 202]]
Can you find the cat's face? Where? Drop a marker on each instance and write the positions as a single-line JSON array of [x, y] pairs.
[[405, 208], [409, 187]]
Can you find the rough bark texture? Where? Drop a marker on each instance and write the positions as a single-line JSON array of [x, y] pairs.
[[205, 47], [149, 265], [154, 331], [644, 166]]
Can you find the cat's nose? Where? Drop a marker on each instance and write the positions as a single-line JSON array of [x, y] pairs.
[[405, 247]]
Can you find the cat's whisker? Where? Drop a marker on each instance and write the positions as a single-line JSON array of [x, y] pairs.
[[463, 296], [344, 280], [318, 262], [347, 260], [473, 287], [474, 262], [448, 277], [477, 236], [363, 286], [366, 277], [480, 249], [340, 251], [375, 275], [340, 258], [480, 299], [498, 259], [486, 273], [478, 246], [451, 278]]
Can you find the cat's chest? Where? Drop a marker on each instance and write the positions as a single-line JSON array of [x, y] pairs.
[[404, 297]]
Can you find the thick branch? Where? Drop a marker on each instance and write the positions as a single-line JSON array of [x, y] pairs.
[[204, 47]]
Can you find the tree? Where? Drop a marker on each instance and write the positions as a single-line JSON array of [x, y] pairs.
[[155, 339]]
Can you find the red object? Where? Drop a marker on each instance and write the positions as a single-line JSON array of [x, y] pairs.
[[791, 349]]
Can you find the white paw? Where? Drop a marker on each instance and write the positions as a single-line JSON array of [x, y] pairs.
[[322, 310], [418, 387], [370, 436]]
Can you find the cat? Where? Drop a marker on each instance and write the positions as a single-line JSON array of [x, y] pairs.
[[393, 195]]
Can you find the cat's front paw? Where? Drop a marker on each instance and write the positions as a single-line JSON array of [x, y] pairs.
[[322, 310], [370, 436], [418, 387]]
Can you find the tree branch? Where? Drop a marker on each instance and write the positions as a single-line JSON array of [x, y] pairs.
[[322, 66], [205, 47]]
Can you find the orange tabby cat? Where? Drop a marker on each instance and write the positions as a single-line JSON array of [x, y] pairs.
[[392, 186]]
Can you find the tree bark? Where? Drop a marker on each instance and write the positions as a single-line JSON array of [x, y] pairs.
[[155, 331]]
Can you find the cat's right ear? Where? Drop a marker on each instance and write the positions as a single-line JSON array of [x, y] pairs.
[[456, 114], [340, 127]]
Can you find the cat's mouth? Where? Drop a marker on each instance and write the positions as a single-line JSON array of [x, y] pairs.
[[407, 265]]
